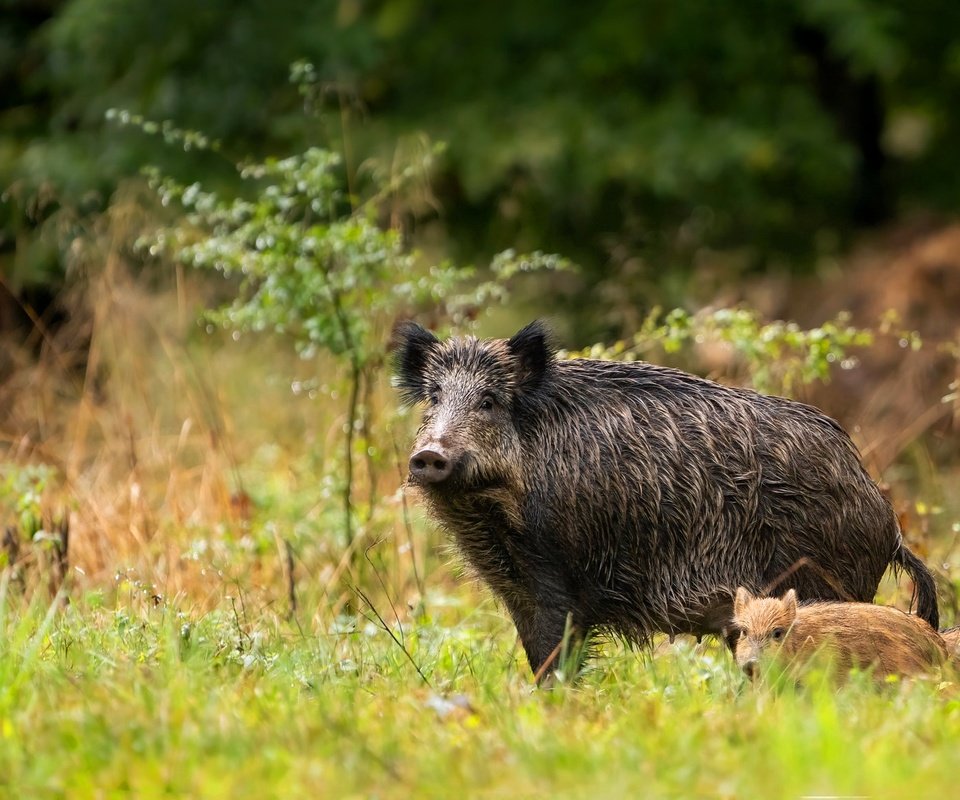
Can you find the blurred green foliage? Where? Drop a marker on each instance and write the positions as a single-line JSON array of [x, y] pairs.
[[21, 495], [775, 357], [639, 138]]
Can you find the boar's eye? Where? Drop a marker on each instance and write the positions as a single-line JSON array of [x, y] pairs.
[[777, 634], [487, 403], [433, 396]]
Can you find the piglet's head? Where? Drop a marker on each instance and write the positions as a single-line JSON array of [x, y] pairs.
[[764, 624]]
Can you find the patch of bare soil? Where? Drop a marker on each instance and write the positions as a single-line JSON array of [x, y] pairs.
[[896, 394]]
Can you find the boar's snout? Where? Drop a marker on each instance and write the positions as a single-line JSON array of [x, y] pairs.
[[750, 668], [430, 466]]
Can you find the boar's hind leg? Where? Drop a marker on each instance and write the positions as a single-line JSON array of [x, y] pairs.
[[542, 629]]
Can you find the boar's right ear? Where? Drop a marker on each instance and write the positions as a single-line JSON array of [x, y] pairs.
[[533, 353], [740, 601], [411, 345]]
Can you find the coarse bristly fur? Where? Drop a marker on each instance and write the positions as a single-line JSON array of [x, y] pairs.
[[636, 497], [847, 635]]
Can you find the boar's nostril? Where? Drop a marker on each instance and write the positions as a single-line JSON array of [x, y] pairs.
[[430, 466]]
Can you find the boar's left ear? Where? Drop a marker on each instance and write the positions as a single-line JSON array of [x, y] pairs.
[[411, 345], [533, 352]]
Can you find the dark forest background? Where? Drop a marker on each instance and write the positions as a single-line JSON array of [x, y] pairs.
[[668, 148]]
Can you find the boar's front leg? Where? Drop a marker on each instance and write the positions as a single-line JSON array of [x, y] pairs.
[[542, 628]]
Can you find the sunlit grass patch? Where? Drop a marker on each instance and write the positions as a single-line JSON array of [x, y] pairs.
[[134, 697]]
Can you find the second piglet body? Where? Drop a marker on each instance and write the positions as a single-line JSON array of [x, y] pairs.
[[951, 638], [635, 498]]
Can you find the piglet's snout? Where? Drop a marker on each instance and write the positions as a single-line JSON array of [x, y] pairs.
[[430, 465]]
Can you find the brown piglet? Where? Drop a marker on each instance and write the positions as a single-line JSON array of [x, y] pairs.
[[850, 635]]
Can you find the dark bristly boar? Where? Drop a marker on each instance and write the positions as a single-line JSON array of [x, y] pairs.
[[633, 497], [846, 635]]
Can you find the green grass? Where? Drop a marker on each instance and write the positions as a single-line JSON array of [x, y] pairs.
[[141, 700], [200, 694]]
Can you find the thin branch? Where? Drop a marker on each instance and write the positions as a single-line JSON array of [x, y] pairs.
[[825, 574], [383, 585], [356, 376], [406, 521], [236, 619], [392, 635]]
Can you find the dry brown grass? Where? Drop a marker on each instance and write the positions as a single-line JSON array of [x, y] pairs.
[[153, 425]]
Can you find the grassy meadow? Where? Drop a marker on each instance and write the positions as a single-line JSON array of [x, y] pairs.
[[214, 635], [142, 700]]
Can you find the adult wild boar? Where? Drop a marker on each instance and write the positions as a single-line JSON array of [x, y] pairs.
[[636, 498]]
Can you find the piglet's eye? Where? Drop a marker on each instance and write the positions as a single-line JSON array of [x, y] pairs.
[[777, 634]]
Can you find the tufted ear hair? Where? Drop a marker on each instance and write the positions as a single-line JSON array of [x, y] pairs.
[[790, 603], [411, 345], [533, 352], [741, 601]]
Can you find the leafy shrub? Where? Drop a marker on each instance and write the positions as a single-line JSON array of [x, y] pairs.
[[312, 263]]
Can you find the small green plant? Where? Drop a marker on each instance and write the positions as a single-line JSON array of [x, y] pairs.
[[34, 537], [777, 356], [21, 494]]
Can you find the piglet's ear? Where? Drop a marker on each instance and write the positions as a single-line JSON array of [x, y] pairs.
[[533, 352], [740, 601], [790, 602], [411, 345]]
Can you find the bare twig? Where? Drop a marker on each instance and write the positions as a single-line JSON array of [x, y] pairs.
[[365, 418], [383, 584], [285, 553], [392, 635], [11, 545], [355, 380], [236, 619], [563, 652], [291, 585], [538, 675], [919, 425], [828, 576], [406, 521]]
